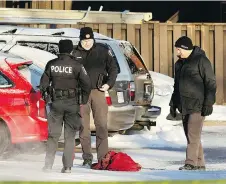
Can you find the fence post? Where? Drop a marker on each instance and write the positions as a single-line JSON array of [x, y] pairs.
[[219, 68], [156, 47], [163, 49], [131, 33], [191, 32], [103, 29], [176, 35], [205, 42], [117, 31], [144, 44]]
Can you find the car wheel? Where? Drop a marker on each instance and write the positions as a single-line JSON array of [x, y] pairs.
[[5, 141]]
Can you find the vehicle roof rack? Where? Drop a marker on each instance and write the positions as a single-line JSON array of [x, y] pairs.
[[58, 33], [12, 31], [47, 16]]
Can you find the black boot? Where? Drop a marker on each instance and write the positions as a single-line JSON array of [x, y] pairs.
[[87, 162], [201, 168], [188, 167], [66, 170]]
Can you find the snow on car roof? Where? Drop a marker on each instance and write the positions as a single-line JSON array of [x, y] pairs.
[[75, 33], [6, 55], [68, 32], [4, 28], [11, 58]]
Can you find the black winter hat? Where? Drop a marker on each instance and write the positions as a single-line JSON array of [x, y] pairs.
[[86, 33], [184, 43], [65, 46]]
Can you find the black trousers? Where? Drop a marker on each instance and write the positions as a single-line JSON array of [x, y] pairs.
[[65, 112]]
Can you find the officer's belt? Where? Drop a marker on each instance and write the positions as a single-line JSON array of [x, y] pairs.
[[69, 93]]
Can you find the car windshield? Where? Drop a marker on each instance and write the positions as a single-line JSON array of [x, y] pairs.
[[32, 73], [133, 58]]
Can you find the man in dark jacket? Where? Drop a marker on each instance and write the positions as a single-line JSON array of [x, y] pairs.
[[194, 95], [97, 60], [60, 80]]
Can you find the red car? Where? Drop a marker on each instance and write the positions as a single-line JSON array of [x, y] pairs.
[[22, 111]]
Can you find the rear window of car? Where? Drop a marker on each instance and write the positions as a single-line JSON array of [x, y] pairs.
[[2, 43], [133, 58], [4, 81], [111, 52], [32, 74], [46, 46]]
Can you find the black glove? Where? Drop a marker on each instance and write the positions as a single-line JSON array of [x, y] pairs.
[[207, 110], [173, 111]]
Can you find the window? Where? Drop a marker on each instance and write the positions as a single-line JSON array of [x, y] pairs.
[[4, 81], [115, 58], [2, 43], [53, 48], [37, 45], [32, 73], [133, 58], [50, 47]]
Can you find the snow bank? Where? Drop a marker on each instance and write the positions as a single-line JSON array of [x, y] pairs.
[[219, 113]]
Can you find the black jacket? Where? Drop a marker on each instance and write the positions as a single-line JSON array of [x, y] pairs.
[[98, 60], [194, 83], [65, 73]]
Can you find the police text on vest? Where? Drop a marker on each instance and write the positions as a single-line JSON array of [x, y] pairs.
[[61, 69]]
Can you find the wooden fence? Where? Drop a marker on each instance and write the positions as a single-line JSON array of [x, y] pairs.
[[155, 41]]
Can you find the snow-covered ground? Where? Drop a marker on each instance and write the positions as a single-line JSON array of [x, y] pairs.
[[219, 113], [162, 149]]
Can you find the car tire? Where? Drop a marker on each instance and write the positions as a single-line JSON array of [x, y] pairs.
[[5, 140]]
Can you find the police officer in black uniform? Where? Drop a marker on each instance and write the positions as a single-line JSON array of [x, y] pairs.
[[60, 80]]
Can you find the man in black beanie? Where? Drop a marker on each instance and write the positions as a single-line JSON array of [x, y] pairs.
[[102, 70], [60, 81], [194, 95]]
